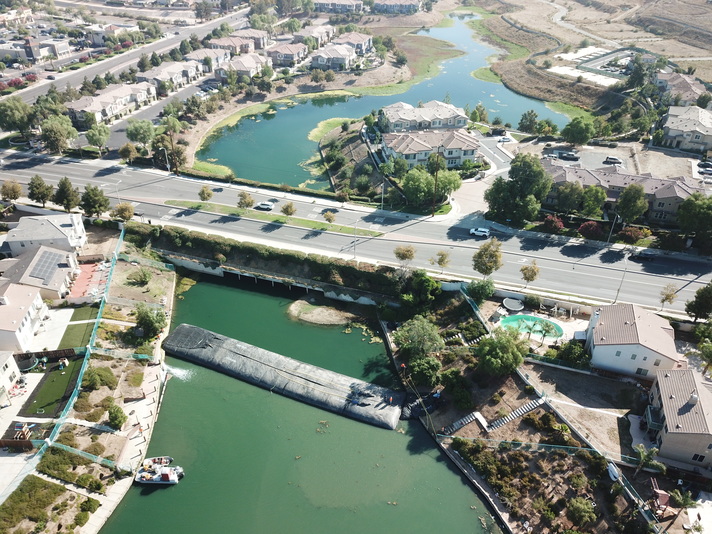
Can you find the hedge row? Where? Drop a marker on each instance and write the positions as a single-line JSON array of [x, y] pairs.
[[347, 274]]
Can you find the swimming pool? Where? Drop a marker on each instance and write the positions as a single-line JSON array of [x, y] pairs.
[[523, 324]]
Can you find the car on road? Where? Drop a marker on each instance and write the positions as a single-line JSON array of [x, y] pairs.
[[480, 232], [705, 164], [643, 255], [610, 160], [265, 206], [506, 140], [51, 77], [569, 156]]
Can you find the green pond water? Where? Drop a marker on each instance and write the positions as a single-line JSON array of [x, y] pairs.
[[240, 444]]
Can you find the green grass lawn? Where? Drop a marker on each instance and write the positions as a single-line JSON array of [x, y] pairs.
[[49, 395], [76, 335], [85, 313]]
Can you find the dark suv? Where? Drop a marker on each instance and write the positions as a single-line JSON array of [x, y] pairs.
[[569, 156]]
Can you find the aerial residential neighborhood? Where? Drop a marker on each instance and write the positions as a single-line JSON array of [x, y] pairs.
[[350, 249]]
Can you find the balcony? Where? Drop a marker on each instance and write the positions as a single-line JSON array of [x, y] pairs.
[[653, 417]]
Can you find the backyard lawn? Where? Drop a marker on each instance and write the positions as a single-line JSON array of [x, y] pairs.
[[76, 335], [53, 389], [85, 313]]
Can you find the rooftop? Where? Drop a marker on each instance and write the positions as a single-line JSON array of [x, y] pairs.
[[687, 402]]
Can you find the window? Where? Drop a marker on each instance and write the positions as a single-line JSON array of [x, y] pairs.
[[451, 162], [618, 353], [449, 152], [698, 458], [633, 356], [661, 204], [697, 137], [641, 372], [709, 446], [657, 364], [645, 358], [4, 367], [12, 376]]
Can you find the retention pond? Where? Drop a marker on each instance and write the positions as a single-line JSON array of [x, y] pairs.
[[260, 462]]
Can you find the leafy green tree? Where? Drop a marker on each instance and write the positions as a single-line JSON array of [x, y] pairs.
[[668, 294], [528, 122], [141, 132], [580, 511], [502, 352], [530, 272], [11, 190], [573, 351], [57, 132], [205, 193], [704, 100], [400, 167], [15, 114], [98, 135], [421, 289], [436, 163], [488, 258], [646, 459], [592, 201], [424, 371], [39, 190], [481, 111], [695, 215], [578, 131], [520, 197], [418, 186], [288, 210], [632, 203], [293, 25], [480, 290], [441, 259], [144, 63], [155, 60], [123, 211], [245, 200], [404, 254], [128, 152], [569, 196], [117, 417], [418, 337], [701, 306], [94, 202], [66, 195], [150, 320]]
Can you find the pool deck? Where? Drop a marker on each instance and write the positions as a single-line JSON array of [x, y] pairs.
[[569, 326]]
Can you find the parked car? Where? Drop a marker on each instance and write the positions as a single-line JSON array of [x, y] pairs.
[[569, 156], [705, 164], [610, 160], [265, 206], [480, 232], [643, 255], [705, 172], [51, 77], [506, 140]]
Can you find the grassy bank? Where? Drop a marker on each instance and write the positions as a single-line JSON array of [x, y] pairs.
[[212, 168], [324, 127], [513, 51], [486, 75], [570, 111]]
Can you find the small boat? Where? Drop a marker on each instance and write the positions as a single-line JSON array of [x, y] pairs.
[[613, 471], [158, 460], [159, 474]]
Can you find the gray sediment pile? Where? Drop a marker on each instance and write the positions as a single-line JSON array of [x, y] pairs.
[[313, 385]]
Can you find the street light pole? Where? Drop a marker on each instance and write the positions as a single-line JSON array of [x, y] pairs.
[[165, 153], [118, 198], [611, 232], [625, 270], [355, 225]]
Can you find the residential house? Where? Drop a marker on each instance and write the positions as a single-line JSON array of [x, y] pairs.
[[259, 37], [683, 89], [9, 372], [456, 146], [63, 232], [236, 45], [433, 115], [679, 418], [321, 34], [664, 195], [338, 6], [176, 73], [288, 55], [97, 33], [113, 102], [21, 314], [334, 57], [246, 65], [216, 57], [397, 7], [48, 269], [688, 128], [361, 42], [629, 340], [14, 17]]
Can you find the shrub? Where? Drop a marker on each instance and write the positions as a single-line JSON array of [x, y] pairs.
[[81, 518], [90, 505], [117, 417], [632, 234], [96, 448], [95, 377], [95, 485], [553, 224], [591, 230], [529, 390], [84, 480], [425, 371], [533, 302], [82, 405], [480, 290]]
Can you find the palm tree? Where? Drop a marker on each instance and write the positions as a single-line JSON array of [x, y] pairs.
[[547, 330], [680, 500], [646, 458]]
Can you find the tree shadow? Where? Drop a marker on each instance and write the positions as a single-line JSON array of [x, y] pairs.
[[224, 219], [186, 213], [612, 256], [578, 251], [532, 244], [313, 234], [271, 227]]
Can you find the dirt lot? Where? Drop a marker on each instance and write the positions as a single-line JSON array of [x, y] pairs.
[[100, 241], [158, 287]]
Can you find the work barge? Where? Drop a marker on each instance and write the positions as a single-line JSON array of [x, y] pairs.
[[337, 393]]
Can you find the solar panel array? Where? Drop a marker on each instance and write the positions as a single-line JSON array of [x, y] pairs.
[[46, 266]]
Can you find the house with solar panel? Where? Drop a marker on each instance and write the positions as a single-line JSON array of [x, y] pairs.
[[48, 269], [679, 417], [64, 232]]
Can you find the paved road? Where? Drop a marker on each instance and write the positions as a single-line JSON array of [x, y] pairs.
[[568, 269]]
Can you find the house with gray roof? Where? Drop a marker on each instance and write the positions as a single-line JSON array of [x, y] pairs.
[[401, 117], [664, 195], [688, 128], [361, 42], [456, 146], [259, 37], [679, 418], [629, 340], [113, 102], [397, 7], [682, 88], [288, 55], [246, 65], [338, 6], [334, 57], [236, 45], [50, 270], [65, 232], [216, 57], [321, 34]]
